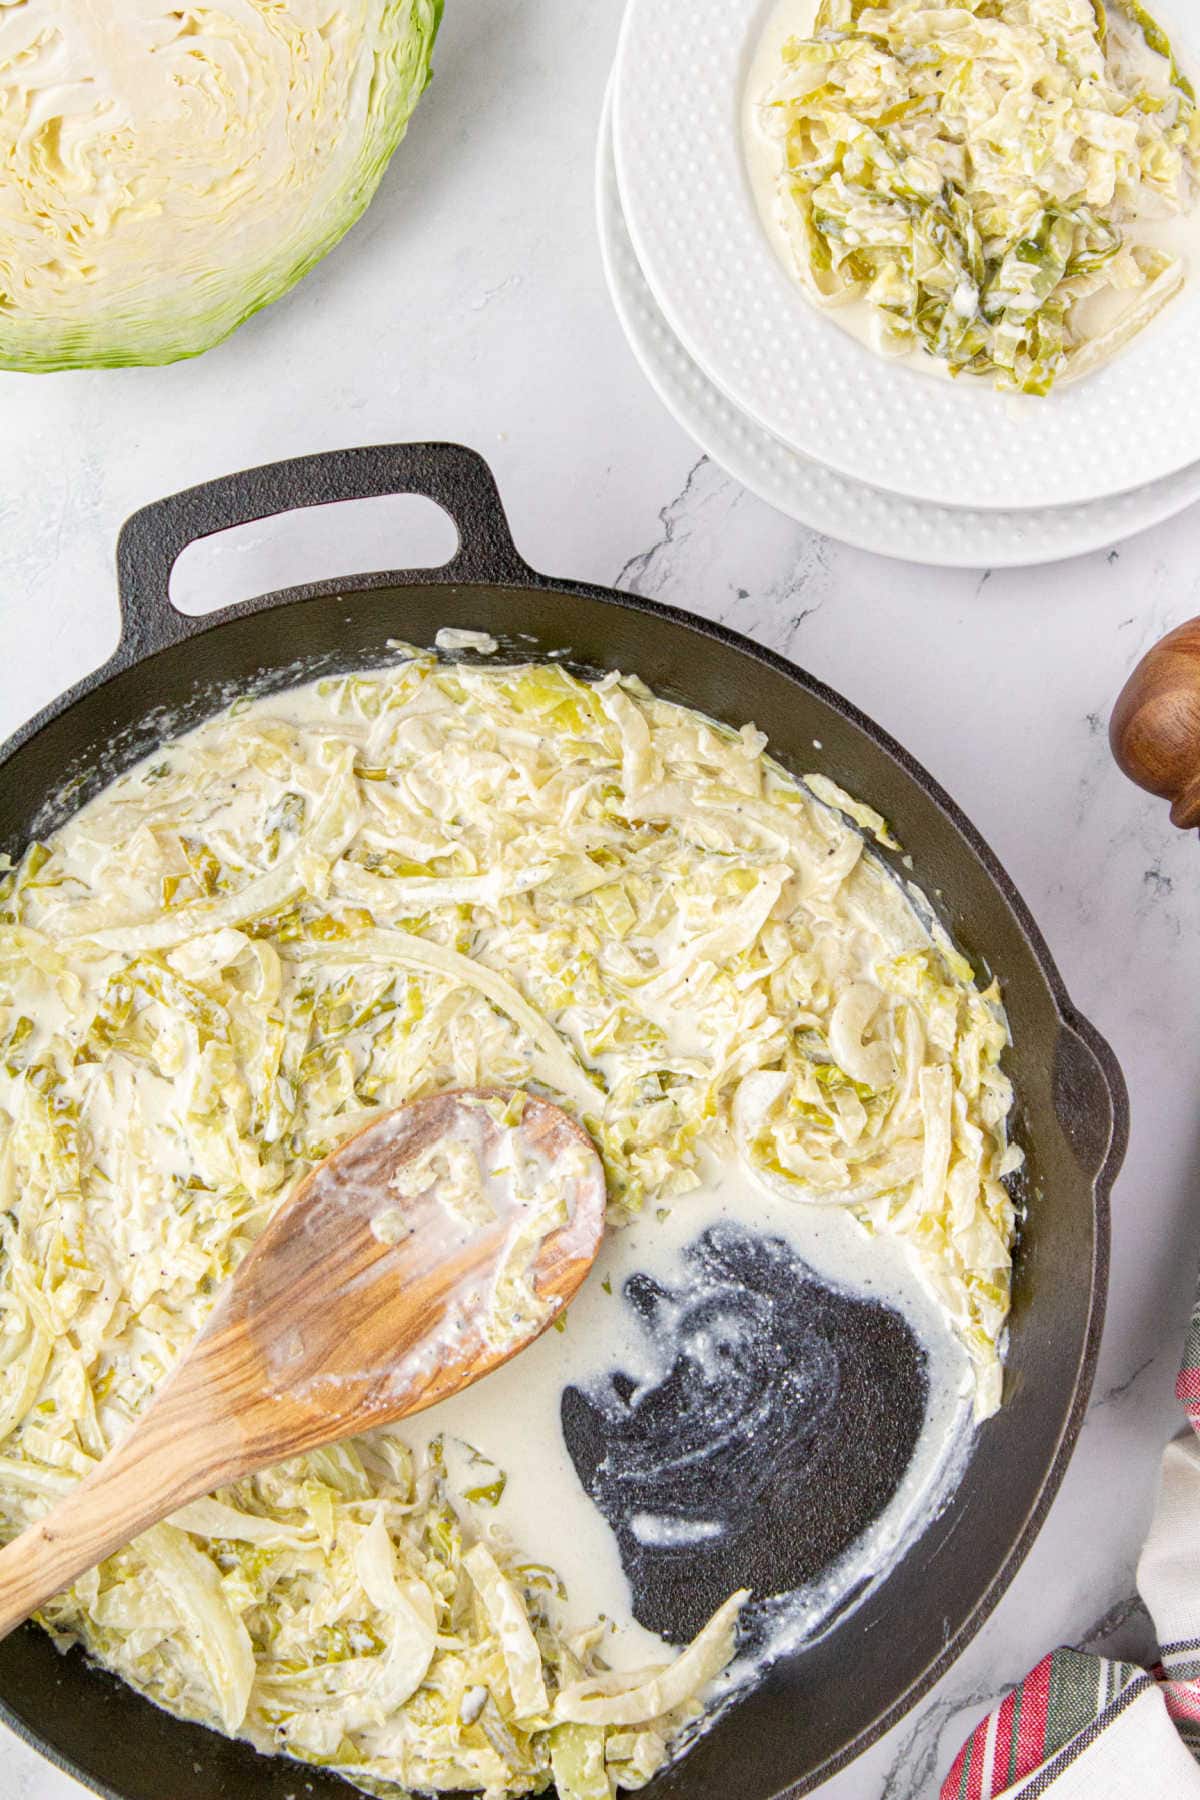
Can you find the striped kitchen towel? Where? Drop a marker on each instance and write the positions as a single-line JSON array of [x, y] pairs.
[[1087, 1728]]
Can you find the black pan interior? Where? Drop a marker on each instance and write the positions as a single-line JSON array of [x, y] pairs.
[[811, 1714]]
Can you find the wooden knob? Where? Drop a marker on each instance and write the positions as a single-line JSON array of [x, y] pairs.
[[1155, 726]]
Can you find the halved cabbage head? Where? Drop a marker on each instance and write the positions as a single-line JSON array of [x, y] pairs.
[[170, 168]]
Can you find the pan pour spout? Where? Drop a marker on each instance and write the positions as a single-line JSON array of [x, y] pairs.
[[778, 1425]]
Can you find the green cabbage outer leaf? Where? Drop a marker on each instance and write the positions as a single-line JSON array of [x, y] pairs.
[[168, 170]]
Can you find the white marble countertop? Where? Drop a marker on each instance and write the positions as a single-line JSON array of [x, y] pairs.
[[470, 305]]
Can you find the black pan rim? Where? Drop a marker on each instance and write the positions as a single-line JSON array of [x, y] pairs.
[[520, 578]]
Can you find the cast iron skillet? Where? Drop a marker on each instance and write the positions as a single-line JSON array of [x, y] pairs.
[[821, 1708]]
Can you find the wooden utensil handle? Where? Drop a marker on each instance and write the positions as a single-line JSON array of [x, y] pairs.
[[135, 1487], [1155, 726]]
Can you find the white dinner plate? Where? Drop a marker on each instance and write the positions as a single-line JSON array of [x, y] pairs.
[[680, 74], [912, 530]]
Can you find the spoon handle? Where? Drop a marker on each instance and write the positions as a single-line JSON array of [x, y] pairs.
[[172, 1455], [1155, 727]]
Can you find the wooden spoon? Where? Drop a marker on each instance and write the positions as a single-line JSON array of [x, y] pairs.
[[1155, 726], [331, 1326]]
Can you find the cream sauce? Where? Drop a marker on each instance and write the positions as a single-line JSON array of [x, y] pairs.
[[513, 1418]]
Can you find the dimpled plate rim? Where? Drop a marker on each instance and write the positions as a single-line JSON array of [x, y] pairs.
[[745, 322], [864, 517]]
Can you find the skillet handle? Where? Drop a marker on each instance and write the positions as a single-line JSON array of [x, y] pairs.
[[454, 477], [1090, 1099]]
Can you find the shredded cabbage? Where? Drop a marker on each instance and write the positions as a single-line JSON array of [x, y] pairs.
[[973, 171], [506, 1611], [635, 1699], [374, 888]]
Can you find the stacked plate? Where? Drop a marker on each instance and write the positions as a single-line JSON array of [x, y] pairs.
[[875, 452]]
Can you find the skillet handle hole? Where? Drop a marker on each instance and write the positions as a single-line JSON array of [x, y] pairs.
[[345, 537]]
